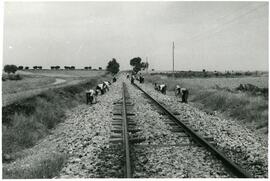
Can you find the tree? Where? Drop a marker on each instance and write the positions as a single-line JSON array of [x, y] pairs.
[[90, 68], [113, 66], [10, 68], [52, 67], [57, 67], [99, 68], [26, 68], [35, 67], [86, 68], [20, 67], [138, 65], [72, 67]]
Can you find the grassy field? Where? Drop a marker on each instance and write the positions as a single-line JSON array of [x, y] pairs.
[[67, 73], [28, 82], [35, 81], [207, 83], [218, 94]]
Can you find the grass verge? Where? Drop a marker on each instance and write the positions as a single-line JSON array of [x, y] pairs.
[[250, 110]]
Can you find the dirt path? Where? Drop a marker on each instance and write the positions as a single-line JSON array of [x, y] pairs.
[[59, 81], [11, 98]]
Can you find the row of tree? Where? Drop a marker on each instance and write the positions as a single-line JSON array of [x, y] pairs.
[[137, 64], [113, 66]]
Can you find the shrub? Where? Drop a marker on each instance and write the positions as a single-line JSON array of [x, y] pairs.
[[14, 77], [40, 165], [10, 68]]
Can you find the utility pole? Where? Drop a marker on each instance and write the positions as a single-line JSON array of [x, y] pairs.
[[147, 65], [173, 57]]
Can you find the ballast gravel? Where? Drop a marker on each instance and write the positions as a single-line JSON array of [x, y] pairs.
[[167, 154], [238, 143]]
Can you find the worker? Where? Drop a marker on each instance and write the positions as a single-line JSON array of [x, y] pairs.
[[107, 85], [132, 79], [162, 88], [183, 92], [101, 88], [156, 87], [91, 96], [141, 79]]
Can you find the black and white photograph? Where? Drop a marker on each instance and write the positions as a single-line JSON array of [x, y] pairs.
[[134, 89]]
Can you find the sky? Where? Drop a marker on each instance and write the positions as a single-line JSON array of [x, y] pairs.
[[207, 35]]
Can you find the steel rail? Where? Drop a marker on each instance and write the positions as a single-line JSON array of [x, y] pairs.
[[127, 171], [236, 170]]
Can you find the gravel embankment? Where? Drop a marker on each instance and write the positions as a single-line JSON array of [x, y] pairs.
[[88, 138], [156, 157], [83, 136], [237, 142]]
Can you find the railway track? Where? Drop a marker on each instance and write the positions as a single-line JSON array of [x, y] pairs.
[[127, 147], [121, 131], [233, 168]]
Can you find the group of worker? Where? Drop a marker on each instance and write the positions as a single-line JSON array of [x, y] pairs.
[[139, 78], [179, 91], [91, 94]]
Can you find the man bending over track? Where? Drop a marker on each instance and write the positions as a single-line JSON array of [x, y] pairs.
[[181, 92], [156, 87], [101, 88], [162, 88], [107, 85], [91, 96]]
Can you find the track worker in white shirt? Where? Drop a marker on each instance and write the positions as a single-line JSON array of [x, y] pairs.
[[183, 92], [91, 96], [106, 85], [162, 88], [101, 88]]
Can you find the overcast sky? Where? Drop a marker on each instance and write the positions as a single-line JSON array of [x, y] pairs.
[[207, 35]]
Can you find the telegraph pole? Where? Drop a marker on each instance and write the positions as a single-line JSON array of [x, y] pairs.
[[173, 57], [147, 65]]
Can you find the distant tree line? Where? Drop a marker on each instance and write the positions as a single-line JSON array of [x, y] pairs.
[[88, 68], [37, 67], [206, 74]]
